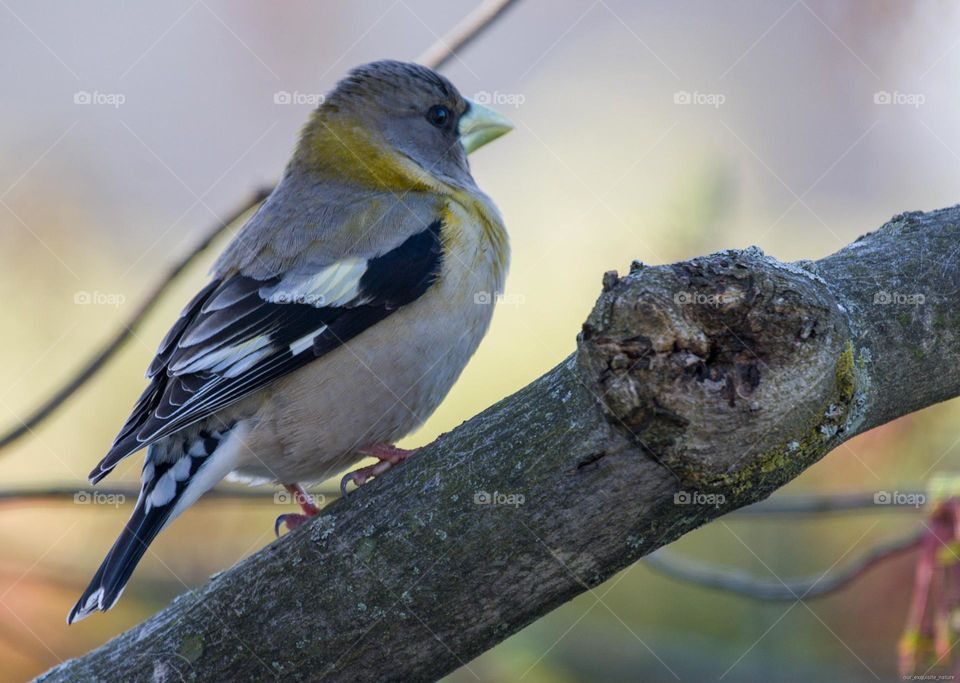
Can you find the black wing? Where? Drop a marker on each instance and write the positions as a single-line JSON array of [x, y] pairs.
[[240, 334]]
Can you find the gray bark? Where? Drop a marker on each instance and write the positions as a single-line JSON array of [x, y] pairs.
[[727, 376]]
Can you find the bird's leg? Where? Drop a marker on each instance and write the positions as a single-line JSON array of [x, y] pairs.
[[293, 520], [387, 454]]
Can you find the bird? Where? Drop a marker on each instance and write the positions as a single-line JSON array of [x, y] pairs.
[[334, 322]]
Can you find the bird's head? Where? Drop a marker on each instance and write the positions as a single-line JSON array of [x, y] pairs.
[[388, 120]]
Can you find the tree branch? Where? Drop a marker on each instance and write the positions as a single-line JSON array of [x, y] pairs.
[[720, 378]]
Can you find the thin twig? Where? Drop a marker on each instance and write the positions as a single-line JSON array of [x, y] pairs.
[[128, 494], [747, 585], [801, 504], [126, 331], [461, 35], [435, 56], [783, 505]]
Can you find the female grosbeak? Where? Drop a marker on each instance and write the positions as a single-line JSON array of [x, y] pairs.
[[335, 321]]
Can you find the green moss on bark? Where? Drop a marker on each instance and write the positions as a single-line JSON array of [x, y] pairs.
[[785, 462]]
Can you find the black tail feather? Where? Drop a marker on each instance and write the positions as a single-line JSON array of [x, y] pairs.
[[169, 471], [112, 576]]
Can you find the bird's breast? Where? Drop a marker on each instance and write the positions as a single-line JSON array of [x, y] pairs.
[[390, 378], [476, 250]]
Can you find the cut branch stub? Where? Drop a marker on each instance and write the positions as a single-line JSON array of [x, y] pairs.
[[710, 362]]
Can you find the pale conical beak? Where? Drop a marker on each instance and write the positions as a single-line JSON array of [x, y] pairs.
[[479, 125]]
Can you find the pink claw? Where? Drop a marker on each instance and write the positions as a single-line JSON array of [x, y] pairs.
[[293, 520], [388, 456]]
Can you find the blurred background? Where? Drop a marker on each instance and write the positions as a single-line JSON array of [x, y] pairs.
[[654, 131]]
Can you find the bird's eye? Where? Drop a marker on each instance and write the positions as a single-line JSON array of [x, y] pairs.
[[438, 115]]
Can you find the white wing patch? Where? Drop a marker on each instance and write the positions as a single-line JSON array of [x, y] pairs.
[[306, 341], [334, 285], [229, 361], [241, 366]]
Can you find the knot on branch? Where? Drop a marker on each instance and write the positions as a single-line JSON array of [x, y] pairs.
[[719, 364]]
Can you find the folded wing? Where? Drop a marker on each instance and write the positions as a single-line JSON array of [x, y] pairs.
[[240, 334]]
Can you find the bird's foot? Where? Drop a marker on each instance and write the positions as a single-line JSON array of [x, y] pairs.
[[290, 520], [293, 520], [388, 456]]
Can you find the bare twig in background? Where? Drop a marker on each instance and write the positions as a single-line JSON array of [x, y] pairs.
[[818, 503], [461, 35], [128, 494], [553, 490], [787, 590], [794, 504], [436, 56], [126, 331]]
